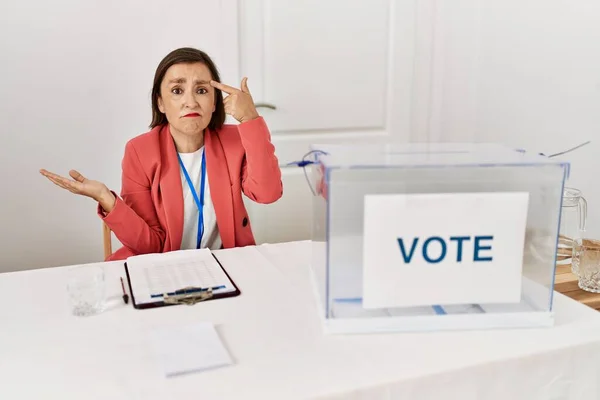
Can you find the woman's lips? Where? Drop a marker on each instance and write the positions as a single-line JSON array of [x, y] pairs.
[[191, 115]]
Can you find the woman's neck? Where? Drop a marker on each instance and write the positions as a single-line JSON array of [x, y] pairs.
[[187, 143]]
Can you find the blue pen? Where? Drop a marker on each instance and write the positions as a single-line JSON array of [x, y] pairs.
[[190, 290]]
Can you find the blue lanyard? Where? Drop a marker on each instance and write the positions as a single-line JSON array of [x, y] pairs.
[[199, 201]]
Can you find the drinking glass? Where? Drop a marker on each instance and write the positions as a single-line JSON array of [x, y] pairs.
[[86, 289], [586, 261]]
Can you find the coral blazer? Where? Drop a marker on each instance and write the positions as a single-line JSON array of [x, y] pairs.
[[148, 216]]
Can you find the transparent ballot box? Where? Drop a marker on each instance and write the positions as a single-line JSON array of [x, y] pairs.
[[420, 237]]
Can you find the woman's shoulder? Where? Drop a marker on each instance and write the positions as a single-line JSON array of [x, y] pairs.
[[145, 145], [146, 140], [144, 149]]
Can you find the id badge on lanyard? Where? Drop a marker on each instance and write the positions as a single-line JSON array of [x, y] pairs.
[[199, 200]]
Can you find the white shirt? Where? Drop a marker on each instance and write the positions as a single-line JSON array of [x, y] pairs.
[[211, 237]]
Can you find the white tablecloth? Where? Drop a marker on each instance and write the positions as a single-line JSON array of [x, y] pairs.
[[275, 338]]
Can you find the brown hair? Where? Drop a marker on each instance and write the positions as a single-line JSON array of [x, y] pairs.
[[186, 55]]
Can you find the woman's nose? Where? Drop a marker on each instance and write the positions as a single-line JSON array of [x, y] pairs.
[[189, 100]]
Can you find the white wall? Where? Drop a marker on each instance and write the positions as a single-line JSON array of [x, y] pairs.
[[525, 73], [76, 78]]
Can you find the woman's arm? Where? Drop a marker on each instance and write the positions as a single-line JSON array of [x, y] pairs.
[[133, 218], [261, 176]]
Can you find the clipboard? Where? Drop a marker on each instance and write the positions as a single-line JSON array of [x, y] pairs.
[[187, 296]]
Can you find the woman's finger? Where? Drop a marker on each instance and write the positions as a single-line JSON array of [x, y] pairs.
[[61, 180], [222, 87], [77, 176], [49, 174], [57, 182], [244, 85], [66, 183]]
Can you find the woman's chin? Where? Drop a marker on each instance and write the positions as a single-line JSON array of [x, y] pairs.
[[191, 128]]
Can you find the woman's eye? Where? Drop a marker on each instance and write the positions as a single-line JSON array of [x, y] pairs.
[[176, 91], [202, 91]]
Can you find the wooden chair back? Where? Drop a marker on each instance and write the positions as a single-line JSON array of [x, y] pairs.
[[107, 238]]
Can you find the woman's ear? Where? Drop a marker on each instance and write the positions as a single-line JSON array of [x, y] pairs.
[[161, 106]]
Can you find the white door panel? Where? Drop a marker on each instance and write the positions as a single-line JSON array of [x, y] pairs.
[[326, 69], [329, 71]]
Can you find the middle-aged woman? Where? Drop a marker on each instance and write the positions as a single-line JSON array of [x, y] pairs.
[[182, 181]]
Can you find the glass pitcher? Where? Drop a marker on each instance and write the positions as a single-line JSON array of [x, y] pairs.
[[572, 223]]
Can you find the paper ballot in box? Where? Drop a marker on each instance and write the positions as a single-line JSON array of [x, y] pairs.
[[434, 236]]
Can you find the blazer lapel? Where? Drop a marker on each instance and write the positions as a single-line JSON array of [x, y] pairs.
[[171, 190], [220, 187]]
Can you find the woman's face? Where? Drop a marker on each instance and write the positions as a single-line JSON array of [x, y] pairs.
[[187, 98]]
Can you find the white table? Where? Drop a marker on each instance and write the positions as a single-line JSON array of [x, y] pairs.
[[274, 335]]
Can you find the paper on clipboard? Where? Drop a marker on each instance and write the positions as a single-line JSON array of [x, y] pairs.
[[152, 275]]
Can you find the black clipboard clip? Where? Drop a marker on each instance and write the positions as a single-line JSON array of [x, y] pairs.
[[189, 296]]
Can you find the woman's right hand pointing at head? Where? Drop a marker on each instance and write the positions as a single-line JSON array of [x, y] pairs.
[[85, 187]]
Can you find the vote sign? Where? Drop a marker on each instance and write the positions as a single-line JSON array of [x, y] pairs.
[[443, 248]]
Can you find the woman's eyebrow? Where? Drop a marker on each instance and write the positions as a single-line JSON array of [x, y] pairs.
[[183, 80]]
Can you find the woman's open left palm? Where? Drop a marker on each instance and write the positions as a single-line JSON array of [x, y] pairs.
[[78, 185]]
